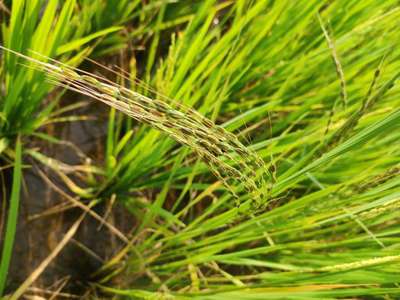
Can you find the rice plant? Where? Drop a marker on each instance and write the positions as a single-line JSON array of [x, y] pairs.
[[257, 157]]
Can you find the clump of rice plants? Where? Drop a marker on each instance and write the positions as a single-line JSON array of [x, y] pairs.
[[293, 195]]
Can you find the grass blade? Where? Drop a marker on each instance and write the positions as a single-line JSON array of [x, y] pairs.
[[12, 218]]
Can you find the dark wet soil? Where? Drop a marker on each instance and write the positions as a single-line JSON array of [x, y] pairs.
[[37, 237]]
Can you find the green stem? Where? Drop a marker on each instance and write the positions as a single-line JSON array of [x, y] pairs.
[[12, 218]]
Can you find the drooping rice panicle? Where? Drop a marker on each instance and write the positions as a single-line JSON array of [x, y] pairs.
[[228, 159]]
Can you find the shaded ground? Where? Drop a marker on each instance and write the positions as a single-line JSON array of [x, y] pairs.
[[38, 234]]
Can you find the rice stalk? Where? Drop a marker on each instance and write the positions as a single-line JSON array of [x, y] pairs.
[[336, 61]]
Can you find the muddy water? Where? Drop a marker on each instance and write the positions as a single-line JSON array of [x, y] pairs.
[[36, 238]]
